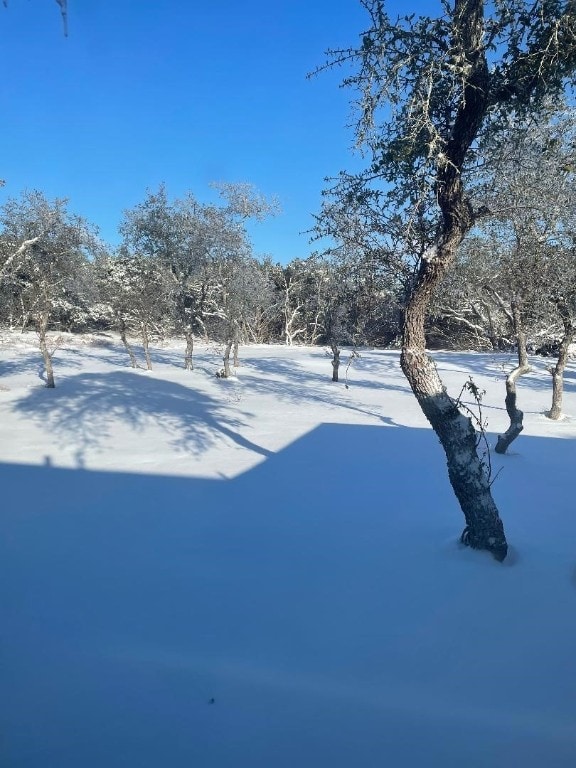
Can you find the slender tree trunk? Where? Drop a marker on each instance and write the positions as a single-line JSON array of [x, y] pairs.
[[127, 347], [236, 357], [558, 370], [226, 358], [188, 355], [492, 335], [335, 360], [41, 328], [315, 333], [515, 415], [25, 316], [146, 345]]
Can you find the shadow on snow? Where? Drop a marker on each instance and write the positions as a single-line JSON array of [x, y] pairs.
[[84, 406], [153, 620]]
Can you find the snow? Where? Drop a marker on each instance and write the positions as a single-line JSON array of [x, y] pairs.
[[265, 572]]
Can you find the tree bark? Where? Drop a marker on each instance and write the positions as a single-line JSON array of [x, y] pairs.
[[226, 358], [335, 361], [188, 355], [41, 328], [146, 345], [127, 346], [558, 370], [468, 475], [515, 415]]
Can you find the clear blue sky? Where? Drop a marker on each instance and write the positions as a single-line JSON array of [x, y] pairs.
[[176, 91]]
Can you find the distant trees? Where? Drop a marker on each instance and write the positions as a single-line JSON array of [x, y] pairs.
[[300, 288], [204, 250], [139, 293], [176, 237], [45, 269], [532, 197], [514, 282]]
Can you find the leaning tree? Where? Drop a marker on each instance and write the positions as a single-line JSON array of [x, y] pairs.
[[429, 88]]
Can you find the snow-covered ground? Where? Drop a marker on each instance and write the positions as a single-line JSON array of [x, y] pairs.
[[264, 572]]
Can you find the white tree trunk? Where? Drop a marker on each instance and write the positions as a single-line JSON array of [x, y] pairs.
[[41, 329], [515, 415], [188, 355], [127, 346], [558, 370], [146, 345]]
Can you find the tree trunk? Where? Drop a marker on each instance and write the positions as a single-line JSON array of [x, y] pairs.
[[226, 359], [316, 328], [335, 360], [467, 472], [41, 327], [127, 346], [146, 345], [188, 355], [236, 357], [25, 317], [515, 415], [492, 335], [558, 370]]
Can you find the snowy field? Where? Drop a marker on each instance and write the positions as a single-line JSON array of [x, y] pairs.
[[264, 572]]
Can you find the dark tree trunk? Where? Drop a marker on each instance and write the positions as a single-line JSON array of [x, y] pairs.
[[188, 355], [127, 346], [558, 370], [468, 474], [515, 415]]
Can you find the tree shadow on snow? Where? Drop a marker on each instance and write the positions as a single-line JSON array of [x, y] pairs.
[[320, 359], [84, 407], [296, 383], [30, 361], [498, 365]]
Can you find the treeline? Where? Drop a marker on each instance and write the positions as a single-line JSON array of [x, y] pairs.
[[188, 268], [184, 268]]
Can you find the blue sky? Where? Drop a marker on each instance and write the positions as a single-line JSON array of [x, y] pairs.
[[181, 92]]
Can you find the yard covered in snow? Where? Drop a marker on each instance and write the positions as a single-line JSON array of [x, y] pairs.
[[264, 572]]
